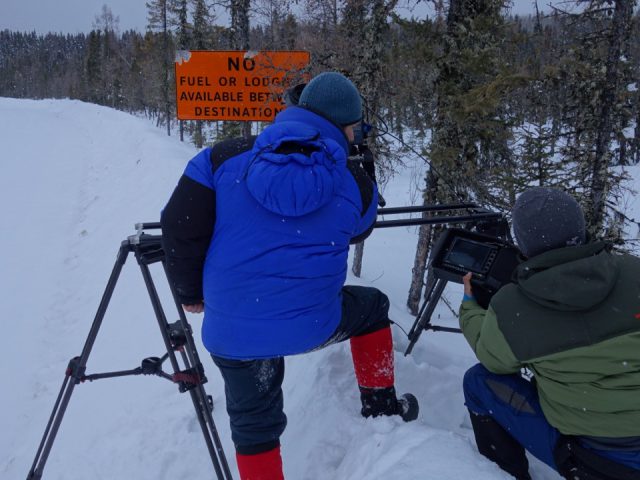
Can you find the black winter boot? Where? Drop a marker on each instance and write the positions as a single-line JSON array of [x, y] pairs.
[[383, 401], [495, 443]]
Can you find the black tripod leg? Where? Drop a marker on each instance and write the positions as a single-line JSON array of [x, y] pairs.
[[194, 358], [430, 288], [192, 353], [203, 411], [424, 318], [200, 399], [75, 371], [38, 462], [198, 396]]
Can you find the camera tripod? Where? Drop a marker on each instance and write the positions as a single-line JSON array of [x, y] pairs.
[[423, 319], [177, 337]]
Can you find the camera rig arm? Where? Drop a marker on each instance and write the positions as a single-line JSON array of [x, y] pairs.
[[468, 214], [455, 213]]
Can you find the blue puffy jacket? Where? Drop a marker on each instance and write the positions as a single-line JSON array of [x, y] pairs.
[[263, 231]]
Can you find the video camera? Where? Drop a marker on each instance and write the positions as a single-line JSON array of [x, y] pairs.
[[484, 248], [491, 260]]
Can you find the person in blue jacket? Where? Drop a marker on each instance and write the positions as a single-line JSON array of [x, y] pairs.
[[256, 236]]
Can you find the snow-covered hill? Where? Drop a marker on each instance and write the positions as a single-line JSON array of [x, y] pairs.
[[74, 178]]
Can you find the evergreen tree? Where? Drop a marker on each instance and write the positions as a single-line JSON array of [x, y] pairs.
[[597, 106], [634, 91], [320, 33], [240, 39], [202, 21], [367, 58], [179, 21], [95, 89], [201, 41], [158, 20], [111, 58], [466, 137]]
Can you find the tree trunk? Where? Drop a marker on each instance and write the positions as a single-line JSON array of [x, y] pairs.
[[419, 269], [422, 250], [635, 141], [240, 38], [198, 138], [356, 268], [165, 48], [372, 51], [445, 138], [246, 129]]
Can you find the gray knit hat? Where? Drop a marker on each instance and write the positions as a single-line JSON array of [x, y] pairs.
[[333, 96], [547, 218]]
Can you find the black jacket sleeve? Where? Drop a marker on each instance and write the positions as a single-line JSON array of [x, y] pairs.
[[187, 226]]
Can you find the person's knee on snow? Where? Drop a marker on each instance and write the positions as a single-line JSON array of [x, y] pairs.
[[495, 443], [492, 440]]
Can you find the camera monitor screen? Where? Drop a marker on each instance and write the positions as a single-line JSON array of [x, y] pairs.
[[469, 255]]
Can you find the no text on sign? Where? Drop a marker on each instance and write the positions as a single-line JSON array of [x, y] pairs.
[[236, 85]]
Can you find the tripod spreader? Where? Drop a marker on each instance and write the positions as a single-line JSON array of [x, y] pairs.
[[186, 379]]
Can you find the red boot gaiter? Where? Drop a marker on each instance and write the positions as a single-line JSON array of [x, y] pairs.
[[261, 466], [373, 359]]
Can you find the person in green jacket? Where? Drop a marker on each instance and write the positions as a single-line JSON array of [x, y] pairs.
[[571, 318]]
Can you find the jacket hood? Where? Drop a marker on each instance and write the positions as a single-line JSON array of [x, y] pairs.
[[569, 279], [297, 163]]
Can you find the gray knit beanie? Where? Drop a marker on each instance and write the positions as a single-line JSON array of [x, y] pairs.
[[333, 96], [547, 218]]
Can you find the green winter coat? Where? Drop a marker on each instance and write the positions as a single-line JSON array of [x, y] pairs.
[[573, 319]]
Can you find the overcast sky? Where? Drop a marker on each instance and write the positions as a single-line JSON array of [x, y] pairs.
[[73, 16]]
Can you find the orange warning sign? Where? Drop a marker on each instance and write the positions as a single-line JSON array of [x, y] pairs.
[[236, 85]]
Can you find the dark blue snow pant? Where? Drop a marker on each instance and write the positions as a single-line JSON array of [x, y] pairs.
[[253, 388], [512, 402]]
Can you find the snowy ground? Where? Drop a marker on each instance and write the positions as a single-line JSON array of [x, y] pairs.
[[74, 178]]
